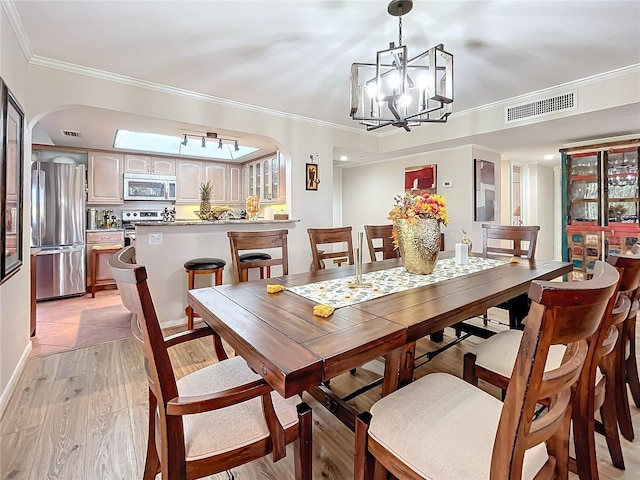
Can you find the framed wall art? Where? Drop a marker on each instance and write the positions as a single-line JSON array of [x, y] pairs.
[[420, 180], [485, 191], [11, 171], [312, 176]]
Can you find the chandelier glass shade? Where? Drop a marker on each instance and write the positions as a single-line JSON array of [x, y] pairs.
[[402, 91]]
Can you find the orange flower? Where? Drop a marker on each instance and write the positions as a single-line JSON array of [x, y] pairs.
[[412, 207]]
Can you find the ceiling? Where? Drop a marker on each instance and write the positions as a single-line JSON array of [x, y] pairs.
[[295, 56]]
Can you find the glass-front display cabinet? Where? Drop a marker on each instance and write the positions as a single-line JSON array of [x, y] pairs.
[[601, 202]]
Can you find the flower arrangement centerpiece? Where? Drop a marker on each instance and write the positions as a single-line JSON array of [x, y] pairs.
[[416, 233]]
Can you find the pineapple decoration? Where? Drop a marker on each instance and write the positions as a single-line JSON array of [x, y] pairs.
[[206, 190]]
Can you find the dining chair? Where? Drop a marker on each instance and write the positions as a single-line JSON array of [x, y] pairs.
[[626, 364], [441, 427], [244, 241], [383, 233], [330, 236], [505, 241], [492, 361], [216, 418]]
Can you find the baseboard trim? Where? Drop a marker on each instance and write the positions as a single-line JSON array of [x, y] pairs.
[[13, 381], [174, 323]]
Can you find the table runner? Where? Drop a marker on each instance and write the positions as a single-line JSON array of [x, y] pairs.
[[337, 292]]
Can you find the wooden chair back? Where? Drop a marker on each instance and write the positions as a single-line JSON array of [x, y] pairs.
[[243, 241], [381, 232], [622, 364], [131, 279], [330, 236], [630, 281], [561, 313], [166, 450], [493, 237]]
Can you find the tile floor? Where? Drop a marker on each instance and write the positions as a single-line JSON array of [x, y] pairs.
[[78, 322]]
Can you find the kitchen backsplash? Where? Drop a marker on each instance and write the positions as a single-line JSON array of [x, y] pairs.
[[183, 212]]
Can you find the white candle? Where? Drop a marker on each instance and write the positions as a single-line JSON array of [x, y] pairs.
[[462, 254]]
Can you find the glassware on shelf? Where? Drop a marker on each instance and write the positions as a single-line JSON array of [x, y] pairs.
[[253, 206]]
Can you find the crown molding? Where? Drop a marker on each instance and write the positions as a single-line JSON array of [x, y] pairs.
[[158, 87], [23, 39], [18, 28], [540, 94], [555, 90]]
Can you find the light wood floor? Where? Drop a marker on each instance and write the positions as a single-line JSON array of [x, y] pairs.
[[81, 415]]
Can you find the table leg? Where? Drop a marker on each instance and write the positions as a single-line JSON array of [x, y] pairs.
[[398, 368]]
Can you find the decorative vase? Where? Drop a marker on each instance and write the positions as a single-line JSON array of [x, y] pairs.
[[419, 244], [465, 239]]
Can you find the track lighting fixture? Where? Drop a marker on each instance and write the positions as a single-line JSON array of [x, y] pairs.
[[222, 143]]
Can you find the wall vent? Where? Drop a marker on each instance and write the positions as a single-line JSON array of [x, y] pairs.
[[559, 103], [70, 133]]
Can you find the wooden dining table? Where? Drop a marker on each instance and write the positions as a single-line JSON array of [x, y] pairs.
[[296, 351]]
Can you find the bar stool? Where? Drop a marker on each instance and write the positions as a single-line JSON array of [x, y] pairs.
[[201, 266], [96, 251], [255, 257]]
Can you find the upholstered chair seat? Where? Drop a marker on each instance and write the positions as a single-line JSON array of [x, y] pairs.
[[219, 431], [498, 353], [412, 422]]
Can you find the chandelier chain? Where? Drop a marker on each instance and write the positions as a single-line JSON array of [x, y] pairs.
[[400, 30]]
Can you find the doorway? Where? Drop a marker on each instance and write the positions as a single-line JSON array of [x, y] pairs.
[[516, 195]]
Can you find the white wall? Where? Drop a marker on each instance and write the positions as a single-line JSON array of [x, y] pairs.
[[368, 192], [541, 200], [14, 293]]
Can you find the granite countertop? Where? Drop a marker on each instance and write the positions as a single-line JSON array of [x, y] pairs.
[[107, 230], [180, 223]]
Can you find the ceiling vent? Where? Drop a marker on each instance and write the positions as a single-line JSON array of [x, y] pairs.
[[546, 106], [70, 133]]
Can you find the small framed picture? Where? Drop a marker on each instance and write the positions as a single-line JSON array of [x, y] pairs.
[[312, 176]]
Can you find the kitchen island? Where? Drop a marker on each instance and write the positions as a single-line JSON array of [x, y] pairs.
[[164, 247]]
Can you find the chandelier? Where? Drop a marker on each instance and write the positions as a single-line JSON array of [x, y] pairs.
[[402, 91]]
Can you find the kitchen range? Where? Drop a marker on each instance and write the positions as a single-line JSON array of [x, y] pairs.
[[129, 217]]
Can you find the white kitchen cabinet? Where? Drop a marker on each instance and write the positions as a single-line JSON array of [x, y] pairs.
[[163, 166], [189, 176], [235, 194], [265, 178], [105, 178], [217, 174], [191, 173], [148, 164]]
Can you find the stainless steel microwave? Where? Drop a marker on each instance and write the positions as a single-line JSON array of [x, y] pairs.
[[139, 186]]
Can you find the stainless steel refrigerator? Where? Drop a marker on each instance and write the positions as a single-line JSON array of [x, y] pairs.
[[57, 228]]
